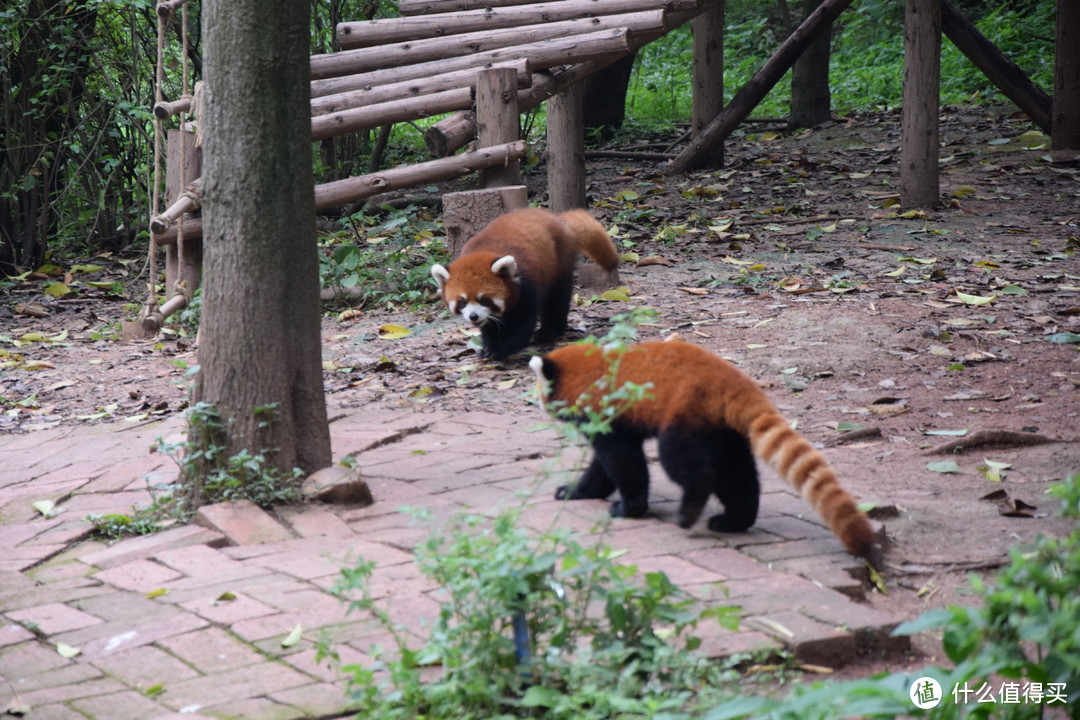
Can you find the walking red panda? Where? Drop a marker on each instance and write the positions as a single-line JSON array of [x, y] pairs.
[[518, 269], [711, 420]]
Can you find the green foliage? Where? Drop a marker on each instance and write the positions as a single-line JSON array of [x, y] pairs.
[[1025, 634], [606, 640], [866, 71], [142, 521], [387, 260]]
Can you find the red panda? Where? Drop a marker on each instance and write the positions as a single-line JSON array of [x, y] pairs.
[[518, 269], [711, 420]]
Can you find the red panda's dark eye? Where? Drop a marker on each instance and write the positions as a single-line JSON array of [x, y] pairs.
[[461, 303], [488, 303]]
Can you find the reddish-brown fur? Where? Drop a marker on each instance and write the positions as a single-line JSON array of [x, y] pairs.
[[544, 247], [693, 391]]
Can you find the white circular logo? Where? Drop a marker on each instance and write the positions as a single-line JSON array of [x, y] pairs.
[[925, 693]]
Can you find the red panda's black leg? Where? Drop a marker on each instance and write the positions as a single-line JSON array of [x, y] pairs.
[[689, 459], [737, 484], [555, 309], [618, 463]]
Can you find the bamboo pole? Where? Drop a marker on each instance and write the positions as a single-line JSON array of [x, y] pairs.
[[369, 33]]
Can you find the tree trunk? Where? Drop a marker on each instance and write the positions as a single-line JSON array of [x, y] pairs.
[[919, 132], [811, 102], [1065, 123], [260, 335]]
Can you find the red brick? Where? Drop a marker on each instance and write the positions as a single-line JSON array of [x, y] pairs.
[[262, 708], [678, 571], [11, 634], [123, 705], [145, 546], [195, 560], [314, 520], [727, 562], [127, 635], [209, 587], [227, 612], [242, 522], [53, 618], [144, 667], [326, 669], [138, 575], [341, 548], [70, 691], [231, 685], [25, 556], [316, 700], [813, 642], [211, 650], [55, 711]]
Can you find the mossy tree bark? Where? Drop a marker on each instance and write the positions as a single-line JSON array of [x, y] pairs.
[[260, 334]]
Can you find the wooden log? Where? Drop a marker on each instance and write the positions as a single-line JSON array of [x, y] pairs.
[[747, 98], [467, 213], [497, 122], [165, 110], [182, 153], [1003, 72], [707, 77], [188, 201], [155, 318], [566, 149], [349, 62], [363, 118], [369, 33], [1065, 118], [541, 55], [374, 94], [192, 228], [919, 130], [340, 192], [454, 132], [432, 7]]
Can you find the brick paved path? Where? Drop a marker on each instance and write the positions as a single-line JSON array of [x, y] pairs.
[[199, 656]]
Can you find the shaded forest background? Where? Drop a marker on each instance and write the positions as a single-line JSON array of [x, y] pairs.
[[77, 86]]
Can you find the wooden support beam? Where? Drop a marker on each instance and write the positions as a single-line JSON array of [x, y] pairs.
[[433, 7], [369, 33], [340, 192], [919, 124], [566, 149], [165, 110], [1003, 72], [747, 98], [375, 94], [1065, 118], [707, 77], [497, 123], [166, 8], [541, 55], [350, 62], [364, 118]]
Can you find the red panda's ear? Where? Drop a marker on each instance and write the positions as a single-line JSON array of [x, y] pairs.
[[441, 275], [506, 267]]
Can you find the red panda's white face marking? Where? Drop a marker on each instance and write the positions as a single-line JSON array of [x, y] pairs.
[[477, 294]]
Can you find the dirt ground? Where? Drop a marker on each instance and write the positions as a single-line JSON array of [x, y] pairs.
[[919, 328]]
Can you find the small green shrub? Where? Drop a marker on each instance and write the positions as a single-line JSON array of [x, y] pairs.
[[388, 262], [604, 640]]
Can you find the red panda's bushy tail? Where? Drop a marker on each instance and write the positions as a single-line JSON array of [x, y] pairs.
[[591, 237]]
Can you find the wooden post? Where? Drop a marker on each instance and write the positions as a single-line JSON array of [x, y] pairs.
[[919, 131], [566, 150], [497, 122], [467, 213], [708, 77], [750, 94], [1004, 73], [811, 101], [181, 142], [1065, 123]]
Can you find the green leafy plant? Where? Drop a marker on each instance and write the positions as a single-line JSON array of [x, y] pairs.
[[603, 640], [387, 262]]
